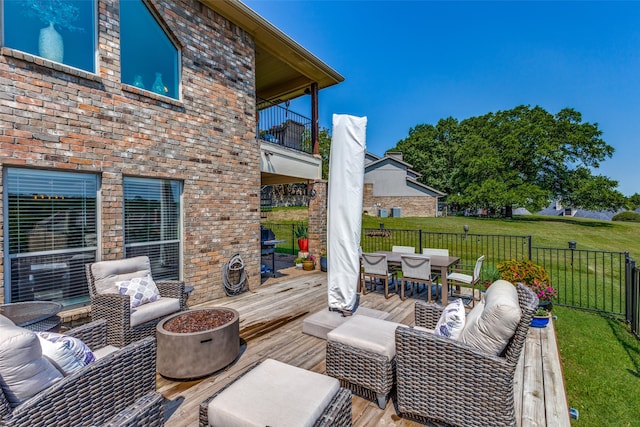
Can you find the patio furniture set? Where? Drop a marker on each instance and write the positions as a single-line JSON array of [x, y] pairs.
[[103, 373]]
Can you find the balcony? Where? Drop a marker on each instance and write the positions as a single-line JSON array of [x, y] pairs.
[[286, 145]]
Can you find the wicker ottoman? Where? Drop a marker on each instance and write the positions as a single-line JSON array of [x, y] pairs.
[[361, 353], [273, 393]]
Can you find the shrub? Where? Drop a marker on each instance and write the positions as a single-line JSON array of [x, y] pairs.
[[532, 275], [522, 271], [627, 216]]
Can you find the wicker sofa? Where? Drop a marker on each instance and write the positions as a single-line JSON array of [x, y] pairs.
[[448, 382], [118, 389], [124, 325]]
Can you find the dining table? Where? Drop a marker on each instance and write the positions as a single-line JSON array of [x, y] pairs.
[[442, 262]]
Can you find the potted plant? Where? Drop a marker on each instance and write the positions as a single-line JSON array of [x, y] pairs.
[[532, 275], [309, 263], [301, 233], [489, 275], [298, 262], [540, 318], [323, 259]]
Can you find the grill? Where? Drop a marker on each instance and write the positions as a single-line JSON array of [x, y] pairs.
[[268, 244]]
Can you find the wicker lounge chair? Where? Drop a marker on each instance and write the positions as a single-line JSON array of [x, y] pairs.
[[115, 390], [116, 309], [279, 402], [444, 381]]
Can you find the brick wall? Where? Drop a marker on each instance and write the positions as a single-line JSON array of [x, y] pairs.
[[318, 219], [411, 206], [55, 117]]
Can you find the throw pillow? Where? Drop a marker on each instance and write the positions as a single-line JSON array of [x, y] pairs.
[[142, 290], [68, 354], [451, 320], [23, 370]]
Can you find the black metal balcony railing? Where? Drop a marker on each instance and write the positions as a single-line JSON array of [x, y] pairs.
[[279, 125]]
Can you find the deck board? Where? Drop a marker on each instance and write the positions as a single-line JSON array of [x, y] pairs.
[[271, 327]]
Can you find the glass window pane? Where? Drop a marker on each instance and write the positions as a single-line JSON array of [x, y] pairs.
[[149, 59], [152, 223], [52, 229], [58, 30]]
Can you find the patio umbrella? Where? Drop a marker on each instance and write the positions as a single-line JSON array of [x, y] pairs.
[[344, 211]]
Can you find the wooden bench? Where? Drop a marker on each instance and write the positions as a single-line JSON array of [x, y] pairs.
[[539, 389]]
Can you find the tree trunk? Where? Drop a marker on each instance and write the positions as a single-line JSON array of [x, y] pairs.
[[508, 211]]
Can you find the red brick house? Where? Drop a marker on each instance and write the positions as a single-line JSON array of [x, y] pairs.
[[133, 128]]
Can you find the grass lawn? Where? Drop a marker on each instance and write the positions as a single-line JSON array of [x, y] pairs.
[[600, 356]]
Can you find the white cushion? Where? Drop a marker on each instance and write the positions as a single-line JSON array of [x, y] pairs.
[[68, 354], [451, 320], [142, 290], [491, 330], [5, 321], [104, 351], [107, 273], [460, 277], [153, 310], [367, 333], [23, 370], [273, 394]]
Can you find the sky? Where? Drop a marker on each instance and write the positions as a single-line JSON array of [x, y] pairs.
[[407, 63]]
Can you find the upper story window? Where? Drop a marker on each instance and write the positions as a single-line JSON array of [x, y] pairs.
[[58, 30], [149, 58]]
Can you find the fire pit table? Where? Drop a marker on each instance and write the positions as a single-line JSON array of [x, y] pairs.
[[196, 343]]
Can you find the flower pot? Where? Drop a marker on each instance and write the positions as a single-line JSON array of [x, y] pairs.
[[540, 321], [299, 265], [547, 305], [303, 244], [308, 265], [323, 263]]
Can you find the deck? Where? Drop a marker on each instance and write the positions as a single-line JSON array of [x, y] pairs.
[[271, 327]]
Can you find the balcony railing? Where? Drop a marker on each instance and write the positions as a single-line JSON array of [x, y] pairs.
[[279, 125]]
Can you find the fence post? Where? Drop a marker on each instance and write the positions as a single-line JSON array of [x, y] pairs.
[[529, 248], [629, 266], [420, 241], [293, 240]]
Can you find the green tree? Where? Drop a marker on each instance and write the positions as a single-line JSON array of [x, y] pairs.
[[324, 140], [633, 202], [524, 157], [430, 150]]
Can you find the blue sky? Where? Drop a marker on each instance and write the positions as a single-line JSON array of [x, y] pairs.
[[411, 62]]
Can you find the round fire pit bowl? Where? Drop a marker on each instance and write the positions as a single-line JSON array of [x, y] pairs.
[[196, 343]]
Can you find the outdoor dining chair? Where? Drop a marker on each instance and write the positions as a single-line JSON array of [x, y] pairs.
[[416, 270], [467, 280], [376, 270], [404, 249]]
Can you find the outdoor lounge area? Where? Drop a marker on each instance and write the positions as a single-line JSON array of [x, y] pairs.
[[271, 322]]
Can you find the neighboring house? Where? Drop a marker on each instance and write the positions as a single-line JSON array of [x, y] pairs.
[[391, 188], [557, 209], [134, 129]]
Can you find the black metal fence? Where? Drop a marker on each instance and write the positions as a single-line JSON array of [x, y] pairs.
[[601, 281], [633, 297]]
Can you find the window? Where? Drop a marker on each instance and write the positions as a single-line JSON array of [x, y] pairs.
[[149, 59], [59, 30], [51, 229], [152, 224]]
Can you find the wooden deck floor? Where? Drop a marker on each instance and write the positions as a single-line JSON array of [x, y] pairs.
[[271, 327]]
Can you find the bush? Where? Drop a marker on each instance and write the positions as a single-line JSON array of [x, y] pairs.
[[627, 216], [532, 275], [522, 271]]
